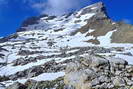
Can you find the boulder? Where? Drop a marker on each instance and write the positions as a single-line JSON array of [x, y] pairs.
[[95, 72]]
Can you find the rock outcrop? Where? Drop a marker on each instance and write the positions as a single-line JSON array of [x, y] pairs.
[[95, 72], [89, 72]]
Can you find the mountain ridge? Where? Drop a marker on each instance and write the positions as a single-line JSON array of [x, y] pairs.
[[96, 8], [101, 18]]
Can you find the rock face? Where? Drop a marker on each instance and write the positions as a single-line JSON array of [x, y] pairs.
[[32, 22], [89, 72], [94, 72], [100, 22], [31, 84]]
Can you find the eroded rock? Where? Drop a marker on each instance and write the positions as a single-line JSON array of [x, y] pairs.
[[95, 72]]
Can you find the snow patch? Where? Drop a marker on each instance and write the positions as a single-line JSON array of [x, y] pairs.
[[129, 59], [48, 76], [106, 40]]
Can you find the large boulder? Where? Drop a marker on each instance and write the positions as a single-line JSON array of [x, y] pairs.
[[95, 72]]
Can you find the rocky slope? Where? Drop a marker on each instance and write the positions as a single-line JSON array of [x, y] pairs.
[[81, 50]]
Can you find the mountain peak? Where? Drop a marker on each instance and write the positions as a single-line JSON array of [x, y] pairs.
[[98, 8], [95, 6]]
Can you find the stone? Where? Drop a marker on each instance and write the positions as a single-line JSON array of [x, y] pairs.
[[97, 61], [103, 79], [17, 86], [118, 81], [95, 82], [95, 72]]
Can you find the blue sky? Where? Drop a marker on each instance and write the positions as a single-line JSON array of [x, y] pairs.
[[13, 12]]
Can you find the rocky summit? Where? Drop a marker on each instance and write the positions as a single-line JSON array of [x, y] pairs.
[[81, 50]]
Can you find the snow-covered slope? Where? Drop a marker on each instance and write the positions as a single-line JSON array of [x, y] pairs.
[[42, 47]]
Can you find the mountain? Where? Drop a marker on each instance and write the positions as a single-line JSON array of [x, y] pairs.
[[81, 50]]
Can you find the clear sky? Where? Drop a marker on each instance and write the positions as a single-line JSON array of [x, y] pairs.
[[13, 12]]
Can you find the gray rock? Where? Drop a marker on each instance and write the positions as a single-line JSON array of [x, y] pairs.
[[17, 86], [93, 72], [118, 81]]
